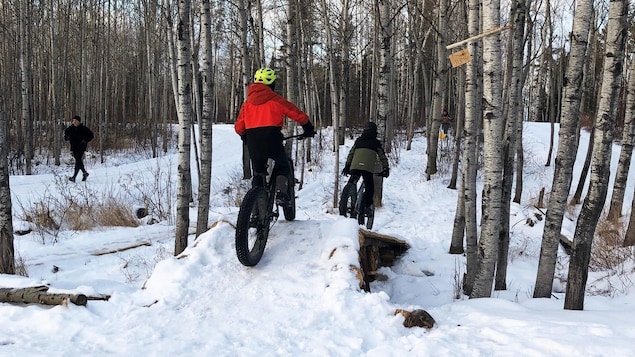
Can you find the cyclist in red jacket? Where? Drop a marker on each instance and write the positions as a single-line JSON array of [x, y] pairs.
[[260, 123]]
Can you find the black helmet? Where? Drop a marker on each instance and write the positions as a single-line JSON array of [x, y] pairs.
[[370, 129]]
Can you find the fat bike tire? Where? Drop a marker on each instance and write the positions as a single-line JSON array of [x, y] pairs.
[[360, 206], [252, 227], [370, 218], [289, 212], [348, 201]]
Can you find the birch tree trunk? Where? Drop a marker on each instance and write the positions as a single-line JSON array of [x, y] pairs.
[[567, 148], [385, 82], [439, 90], [577, 196], [626, 153], [334, 103], [629, 238], [184, 70], [246, 74], [207, 80], [26, 55], [291, 61], [493, 166], [53, 91], [345, 38], [470, 150], [513, 126], [617, 30], [7, 257]]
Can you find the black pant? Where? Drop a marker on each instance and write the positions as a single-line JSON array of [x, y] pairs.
[[265, 143], [369, 184], [79, 162]]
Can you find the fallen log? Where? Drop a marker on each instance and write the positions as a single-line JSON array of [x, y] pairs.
[[40, 295], [117, 250], [376, 251]]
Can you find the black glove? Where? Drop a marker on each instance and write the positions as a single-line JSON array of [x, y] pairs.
[[385, 173], [346, 171], [309, 130]]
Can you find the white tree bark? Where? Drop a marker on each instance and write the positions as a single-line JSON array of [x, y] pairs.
[[439, 90], [567, 148], [473, 80], [512, 129], [7, 257], [492, 162], [185, 111], [207, 117], [629, 239], [246, 74], [26, 77]]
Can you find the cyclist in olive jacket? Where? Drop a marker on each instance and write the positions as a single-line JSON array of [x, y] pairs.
[[259, 124], [362, 158]]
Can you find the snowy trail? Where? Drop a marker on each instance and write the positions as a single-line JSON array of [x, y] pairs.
[[296, 259]]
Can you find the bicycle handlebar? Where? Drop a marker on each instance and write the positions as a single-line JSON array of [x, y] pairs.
[[299, 136]]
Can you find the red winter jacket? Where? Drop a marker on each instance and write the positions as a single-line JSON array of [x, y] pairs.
[[264, 107]]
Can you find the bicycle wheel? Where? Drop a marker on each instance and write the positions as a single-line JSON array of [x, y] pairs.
[[289, 212], [348, 201], [252, 227], [370, 218], [361, 205]]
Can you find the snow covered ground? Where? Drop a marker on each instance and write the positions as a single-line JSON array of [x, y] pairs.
[[301, 299]]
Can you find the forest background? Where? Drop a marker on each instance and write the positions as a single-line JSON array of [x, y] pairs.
[[132, 68]]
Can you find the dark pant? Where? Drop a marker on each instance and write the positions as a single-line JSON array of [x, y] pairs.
[[445, 127], [369, 184], [79, 162], [263, 144]]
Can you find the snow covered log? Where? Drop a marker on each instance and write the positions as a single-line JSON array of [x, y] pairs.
[[376, 251], [40, 295]]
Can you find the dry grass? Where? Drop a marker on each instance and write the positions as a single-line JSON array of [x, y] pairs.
[[78, 208], [107, 213], [41, 215], [607, 252], [20, 266]]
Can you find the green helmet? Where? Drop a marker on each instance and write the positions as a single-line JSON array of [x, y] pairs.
[[265, 75]]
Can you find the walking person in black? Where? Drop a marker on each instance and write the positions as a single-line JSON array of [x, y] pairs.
[[79, 135]]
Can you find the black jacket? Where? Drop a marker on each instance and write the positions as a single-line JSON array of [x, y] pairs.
[[79, 136], [365, 153]]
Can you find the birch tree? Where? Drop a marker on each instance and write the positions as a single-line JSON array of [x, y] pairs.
[[333, 91], [7, 257], [617, 30], [439, 90], [629, 238], [493, 168], [512, 129], [470, 149], [185, 111], [567, 148], [245, 71], [26, 60], [626, 153], [385, 83], [207, 80]]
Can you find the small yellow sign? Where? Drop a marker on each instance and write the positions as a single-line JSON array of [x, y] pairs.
[[460, 57]]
